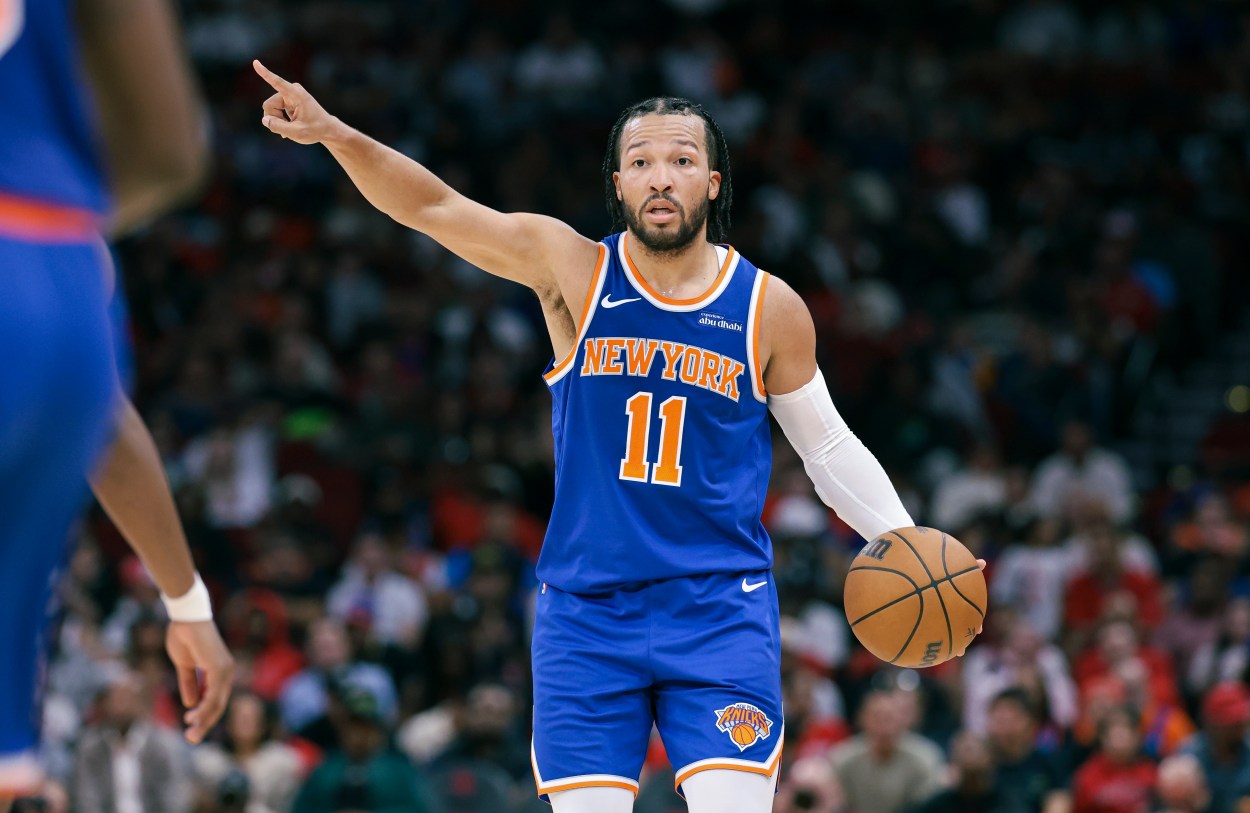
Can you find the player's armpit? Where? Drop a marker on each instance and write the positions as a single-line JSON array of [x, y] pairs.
[[787, 339]]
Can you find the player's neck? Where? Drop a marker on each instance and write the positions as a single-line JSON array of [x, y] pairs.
[[683, 274]]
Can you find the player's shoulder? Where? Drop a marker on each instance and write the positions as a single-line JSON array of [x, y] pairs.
[[785, 316]]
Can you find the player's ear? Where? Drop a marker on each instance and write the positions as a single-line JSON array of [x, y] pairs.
[[616, 181], [713, 185]]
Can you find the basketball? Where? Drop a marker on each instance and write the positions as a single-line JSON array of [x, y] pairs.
[[743, 734], [915, 597]]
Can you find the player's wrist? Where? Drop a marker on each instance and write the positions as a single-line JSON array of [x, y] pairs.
[[193, 605]]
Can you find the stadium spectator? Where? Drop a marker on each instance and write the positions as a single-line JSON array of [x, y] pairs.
[[886, 768]]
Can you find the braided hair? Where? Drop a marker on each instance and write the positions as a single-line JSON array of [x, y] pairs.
[[718, 156]]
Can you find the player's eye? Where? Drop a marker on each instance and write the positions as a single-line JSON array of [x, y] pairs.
[[683, 161], [638, 162]]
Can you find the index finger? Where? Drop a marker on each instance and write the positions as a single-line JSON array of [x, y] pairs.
[[275, 81]]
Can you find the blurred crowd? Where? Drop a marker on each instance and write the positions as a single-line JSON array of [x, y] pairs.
[[1006, 216]]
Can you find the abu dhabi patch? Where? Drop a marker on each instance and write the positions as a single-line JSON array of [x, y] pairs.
[[745, 724]]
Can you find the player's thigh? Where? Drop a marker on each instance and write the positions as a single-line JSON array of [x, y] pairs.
[[592, 800], [592, 701], [56, 388], [725, 791], [718, 693]]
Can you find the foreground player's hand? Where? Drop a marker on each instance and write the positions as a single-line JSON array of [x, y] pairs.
[[192, 646], [292, 112]]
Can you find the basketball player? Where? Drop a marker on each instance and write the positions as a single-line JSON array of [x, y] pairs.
[[60, 404], [657, 605]]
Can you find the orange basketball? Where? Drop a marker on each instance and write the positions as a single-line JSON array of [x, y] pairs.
[[915, 597], [743, 734]]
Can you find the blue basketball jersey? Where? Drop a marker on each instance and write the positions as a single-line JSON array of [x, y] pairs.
[[662, 442], [48, 146]]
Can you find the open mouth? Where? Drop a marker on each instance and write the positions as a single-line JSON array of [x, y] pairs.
[[661, 211]]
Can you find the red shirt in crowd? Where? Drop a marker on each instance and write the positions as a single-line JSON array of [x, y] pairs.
[[1103, 786], [1087, 596]]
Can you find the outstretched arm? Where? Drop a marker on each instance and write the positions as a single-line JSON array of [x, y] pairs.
[[847, 476], [131, 486], [536, 251]]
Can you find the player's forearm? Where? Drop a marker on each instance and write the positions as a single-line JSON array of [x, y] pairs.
[[151, 116], [847, 476], [391, 181], [131, 486]]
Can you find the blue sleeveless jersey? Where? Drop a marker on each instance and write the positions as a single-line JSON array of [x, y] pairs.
[[662, 442], [48, 147]]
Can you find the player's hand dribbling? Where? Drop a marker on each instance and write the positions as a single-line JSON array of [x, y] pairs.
[[292, 112], [196, 645]]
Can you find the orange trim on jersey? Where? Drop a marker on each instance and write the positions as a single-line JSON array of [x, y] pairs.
[[633, 272], [37, 220], [755, 336], [600, 268], [761, 769], [599, 783]]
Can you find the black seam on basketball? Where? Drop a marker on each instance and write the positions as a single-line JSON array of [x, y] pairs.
[[954, 586], [917, 591], [950, 636], [915, 587], [916, 626], [960, 593]]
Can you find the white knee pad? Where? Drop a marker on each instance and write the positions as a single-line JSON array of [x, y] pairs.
[[592, 800], [726, 791]]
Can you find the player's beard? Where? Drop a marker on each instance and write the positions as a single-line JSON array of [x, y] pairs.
[[667, 241]]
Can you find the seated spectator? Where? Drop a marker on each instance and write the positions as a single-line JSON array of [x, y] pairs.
[[1223, 746], [1227, 657], [490, 732], [305, 700], [977, 489], [1196, 619], [973, 789], [1030, 781], [272, 769], [364, 774], [1080, 469], [371, 588], [810, 786], [1013, 656], [1117, 778], [1032, 577], [255, 623], [1106, 586], [1118, 652], [124, 762], [886, 768], [1181, 786], [1212, 529]]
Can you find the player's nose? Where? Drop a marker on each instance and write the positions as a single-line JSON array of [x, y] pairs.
[[661, 179]]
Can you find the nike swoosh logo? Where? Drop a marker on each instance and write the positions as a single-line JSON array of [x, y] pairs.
[[608, 303], [748, 588]]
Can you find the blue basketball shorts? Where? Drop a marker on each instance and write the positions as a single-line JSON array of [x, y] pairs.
[[57, 385], [698, 658]]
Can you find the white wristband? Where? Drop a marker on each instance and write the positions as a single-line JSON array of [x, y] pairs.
[[194, 605]]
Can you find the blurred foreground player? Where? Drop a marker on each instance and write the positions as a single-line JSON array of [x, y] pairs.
[[66, 179], [658, 604]]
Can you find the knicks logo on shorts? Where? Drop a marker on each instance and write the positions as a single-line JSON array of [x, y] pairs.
[[745, 724]]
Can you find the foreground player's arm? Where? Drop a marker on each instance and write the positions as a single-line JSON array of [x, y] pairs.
[[131, 486], [526, 248], [847, 476], [149, 109]]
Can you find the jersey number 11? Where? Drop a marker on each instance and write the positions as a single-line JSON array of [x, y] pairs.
[[667, 472]]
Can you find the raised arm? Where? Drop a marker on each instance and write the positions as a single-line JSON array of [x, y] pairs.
[[536, 251]]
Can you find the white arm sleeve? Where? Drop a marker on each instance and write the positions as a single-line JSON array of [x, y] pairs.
[[847, 476]]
